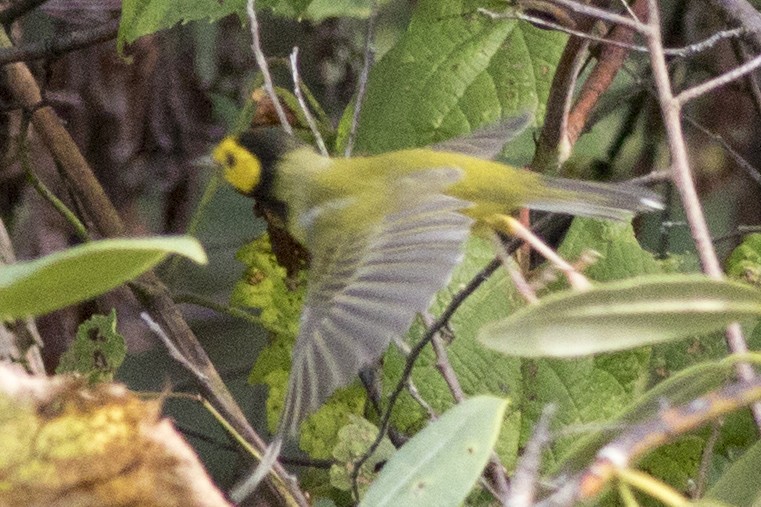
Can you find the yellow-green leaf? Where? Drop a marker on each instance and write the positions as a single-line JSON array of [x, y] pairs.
[[440, 465], [82, 272], [622, 315]]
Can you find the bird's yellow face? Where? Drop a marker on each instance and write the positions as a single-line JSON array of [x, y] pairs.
[[240, 167]]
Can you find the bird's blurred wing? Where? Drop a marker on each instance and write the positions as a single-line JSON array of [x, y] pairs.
[[367, 286], [487, 142]]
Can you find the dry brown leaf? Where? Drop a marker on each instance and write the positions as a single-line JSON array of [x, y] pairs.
[[63, 443]]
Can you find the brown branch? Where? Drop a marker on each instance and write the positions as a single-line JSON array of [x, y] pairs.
[[18, 9], [609, 62], [149, 289], [55, 46], [553, 147], [642, 438]]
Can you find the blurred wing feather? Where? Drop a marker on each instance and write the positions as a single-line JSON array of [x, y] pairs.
[[487, 142], [367, 288]]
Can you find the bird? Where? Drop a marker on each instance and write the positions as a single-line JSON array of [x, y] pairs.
[[384, 233]]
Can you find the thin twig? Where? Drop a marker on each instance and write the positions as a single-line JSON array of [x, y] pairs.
[[441, 322], [174, 352], [755, 91], [680, 52], [69, 216], [445, 368], [752, 172], [526, 474], [576, 279], [742, 13], [683, 181], [363, 77], [514, 271], [261, 61], [706, 459], [495, 470], [602, 14], [304, 107], [151, 292], [56, 46], [197, 300], [726, 78], [609, 63]]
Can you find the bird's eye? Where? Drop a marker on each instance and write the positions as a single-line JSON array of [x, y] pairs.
[[229, 159]]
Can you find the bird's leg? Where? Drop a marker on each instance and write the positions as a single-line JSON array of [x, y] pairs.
[[513, 227]]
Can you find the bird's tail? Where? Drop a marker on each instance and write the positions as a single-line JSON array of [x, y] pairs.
[[598, 200]]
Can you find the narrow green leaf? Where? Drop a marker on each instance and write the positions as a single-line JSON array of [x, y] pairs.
[[622, 315], [67, 277], [441, 463]]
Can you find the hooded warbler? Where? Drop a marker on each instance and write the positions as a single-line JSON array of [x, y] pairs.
[[384, 233]]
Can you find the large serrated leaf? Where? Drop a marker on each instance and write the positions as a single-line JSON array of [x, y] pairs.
[[440, 465], [453, 71], [622, 315], [67, 277], [678, 389]]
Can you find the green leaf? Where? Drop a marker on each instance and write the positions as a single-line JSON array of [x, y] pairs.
[[354, 440], [622, 315], [76, 274], [440, 465], [739, 484], [144, 17], [682, 387], [745, 260], [319, 10], [97, 350], [621, 256], [451, 72]]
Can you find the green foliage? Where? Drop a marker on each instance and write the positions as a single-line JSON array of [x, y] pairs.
[[678, 389], [144, 17], [264, 286], [745, 260], [440, 465], [82, 272], [354, 440], [479, 370], [622, 315], [97, 350], [738, 485], [451, 72]]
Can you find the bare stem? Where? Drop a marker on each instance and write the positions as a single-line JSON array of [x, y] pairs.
[[261, 61], [726, 78], [304, 107], [363, 77]]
